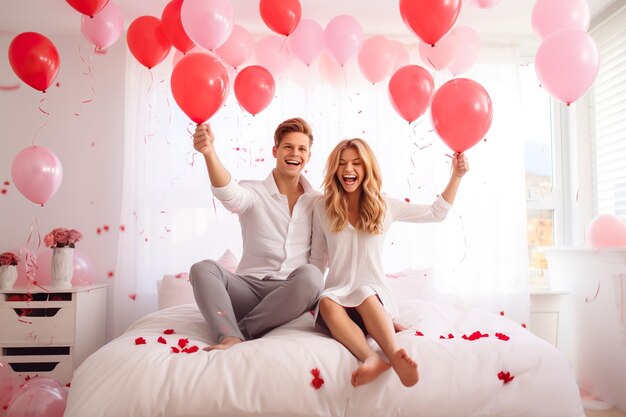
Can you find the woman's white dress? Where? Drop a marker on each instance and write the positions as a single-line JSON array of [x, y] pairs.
[[354, 257]]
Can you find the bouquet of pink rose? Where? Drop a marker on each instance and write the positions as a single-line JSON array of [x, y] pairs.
[[61, 237], [9, 258]]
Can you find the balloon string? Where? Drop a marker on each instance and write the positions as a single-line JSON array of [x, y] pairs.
[[587, 300], [39, 130], [41, 104], [149, 136], [30, 259]]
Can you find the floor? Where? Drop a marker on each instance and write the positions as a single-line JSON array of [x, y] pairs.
[[608, 413]]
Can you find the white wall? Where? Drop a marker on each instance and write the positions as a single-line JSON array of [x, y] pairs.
[[89, 146]]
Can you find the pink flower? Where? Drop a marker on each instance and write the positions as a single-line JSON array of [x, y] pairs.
[[48, 240], [60, 237], [73, 237], [9, 258]]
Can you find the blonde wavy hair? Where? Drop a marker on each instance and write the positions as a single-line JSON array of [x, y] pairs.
[[372, 205]]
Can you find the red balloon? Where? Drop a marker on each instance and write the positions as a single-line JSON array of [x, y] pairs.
[[147, 41], [410, 90], [462, 112], [254, 88], [282, 16], [173, 26], [199, 85], [88, 7], [430, 20], [34, 59]]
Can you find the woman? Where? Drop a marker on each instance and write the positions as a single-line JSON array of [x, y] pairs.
[[349, 226]]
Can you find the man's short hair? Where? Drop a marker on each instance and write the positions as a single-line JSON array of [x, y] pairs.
[[295, 124]]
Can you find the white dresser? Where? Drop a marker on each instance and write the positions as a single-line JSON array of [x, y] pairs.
[[49, 332]]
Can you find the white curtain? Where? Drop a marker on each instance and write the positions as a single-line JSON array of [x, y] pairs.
[[171, 219]]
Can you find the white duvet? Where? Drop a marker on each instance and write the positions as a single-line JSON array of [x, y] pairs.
[[273, 376]]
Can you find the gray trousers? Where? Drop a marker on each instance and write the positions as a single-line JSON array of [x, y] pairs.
[[246, 307]]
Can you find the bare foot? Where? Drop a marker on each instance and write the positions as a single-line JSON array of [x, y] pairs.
[[397, 327], [369, 370], [405, 367], [227, 342]]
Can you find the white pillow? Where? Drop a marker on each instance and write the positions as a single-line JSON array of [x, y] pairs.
[[412, 283], [175, 290]]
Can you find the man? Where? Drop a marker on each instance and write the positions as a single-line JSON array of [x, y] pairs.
[[274, 283]]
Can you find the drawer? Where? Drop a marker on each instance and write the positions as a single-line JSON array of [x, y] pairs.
[[33, 323], [52, 362]]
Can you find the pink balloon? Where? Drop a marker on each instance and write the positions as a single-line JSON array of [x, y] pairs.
[[485, 4], [37, 173], [551, 16], [567, 64], [105, 28], [82, 270], [606, 231], [41, 381], [461, 112], [207, 23], [331, 72], [38, 401], [237, 48], [440, 55], [8, 385], [402, 55], [376, 58], [307, 42], [272, 53], [343, 38], [468, 50]]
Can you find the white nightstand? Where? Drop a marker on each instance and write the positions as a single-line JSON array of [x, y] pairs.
[[53, 333], [545, 311]]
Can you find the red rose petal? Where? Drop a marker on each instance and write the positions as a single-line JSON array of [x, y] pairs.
[[502, 336], [191, 349], [132, 296], [169, 331], [161, 339], [317, 383], [175, 349], [418, 333], [183, 342], [505, 377], [140, 341], [315, 372]]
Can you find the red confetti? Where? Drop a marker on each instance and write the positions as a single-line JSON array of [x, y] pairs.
[[99, 231], [140, 341], [502, 336], [175, 349], [317, 381], [3, 191], [183, 342], [106, 228], [524, 325], [122, 228], [501, 313], [132, 296], [169, 331], [7, 183], [191, 349], [408, 200], [505, 377], [110, 274], [418, 333], [162, 340], [450, 336]]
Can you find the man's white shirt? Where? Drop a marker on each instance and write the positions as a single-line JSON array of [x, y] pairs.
[[275, 241]]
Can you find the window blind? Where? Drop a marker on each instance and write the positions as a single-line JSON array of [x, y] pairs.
[[609, 124]]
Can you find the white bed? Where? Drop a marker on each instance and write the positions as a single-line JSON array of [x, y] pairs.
[[273, 376]]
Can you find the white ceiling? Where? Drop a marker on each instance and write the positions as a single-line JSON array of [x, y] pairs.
[[509, 17]]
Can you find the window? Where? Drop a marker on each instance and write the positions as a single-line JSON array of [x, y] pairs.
[[609, 118], [540, 128]]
